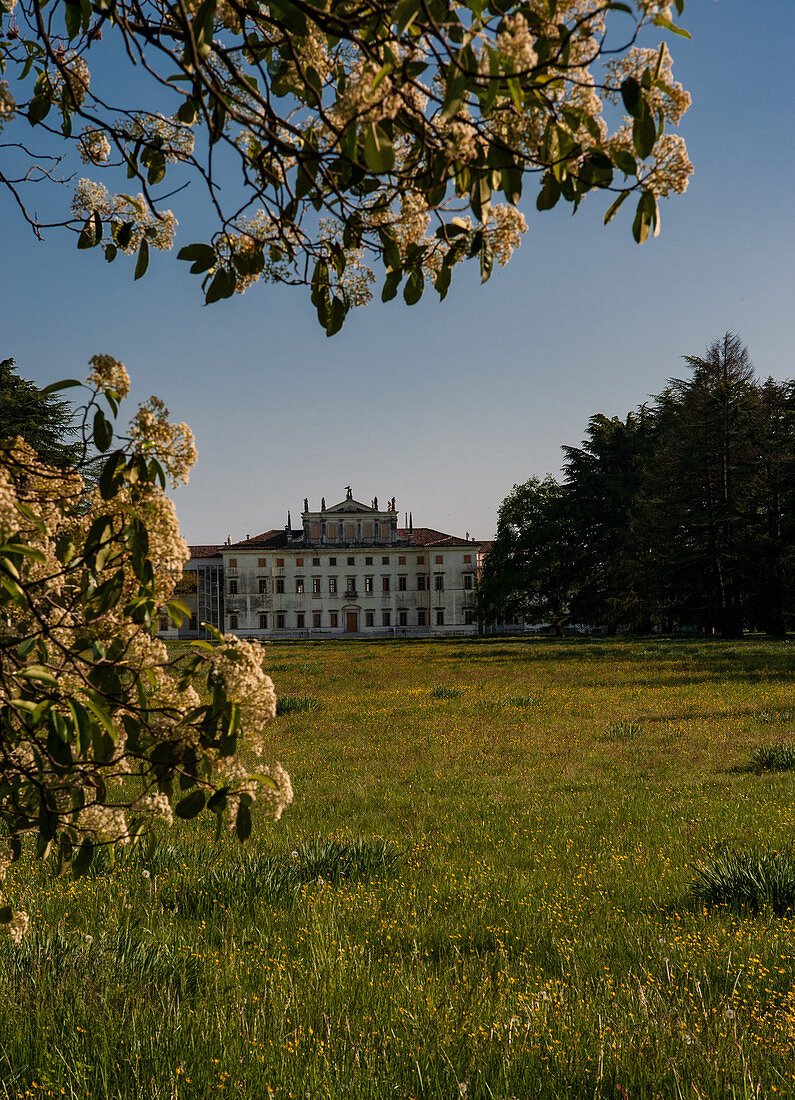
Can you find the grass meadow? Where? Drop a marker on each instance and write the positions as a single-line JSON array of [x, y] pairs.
[[483, 890]]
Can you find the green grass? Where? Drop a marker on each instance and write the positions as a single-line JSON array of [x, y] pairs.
[[778, 758], [486, 892]]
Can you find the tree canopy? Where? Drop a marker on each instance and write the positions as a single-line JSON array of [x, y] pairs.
[[329, 136], [683, 514]]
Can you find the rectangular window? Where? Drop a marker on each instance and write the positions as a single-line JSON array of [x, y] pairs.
[[280, 563], [332, 585], [384, 530], [263, 622], [368, 584], [369, 618], [468, 581], [420, 618], [332, 618], [316, 620], [316, 561], [350, 586], [438, 582], [467, 559], [469, 617], [280, 621], [280, 584], [401, 584], [350, 530], [386, 618], [440, 618], [439, 559], [385, 584], [331, 530], [401, 559], [299, 585], [420, 559], [233, 621], [233, 586], [263, 585], [262, 563], [403, 618], [420, 583], [332, 561], [299, 620], [299, 561], [368, 530], [351, 561], [233, 563], [385, 560], [315, 528], [316, 586], [368, 561]]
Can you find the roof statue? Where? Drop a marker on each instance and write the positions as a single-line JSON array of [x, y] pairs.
[[322, 504], [375, 503], [348, 493], [306, 504]]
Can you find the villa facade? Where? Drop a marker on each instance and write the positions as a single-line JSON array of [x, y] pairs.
[[349, 570]]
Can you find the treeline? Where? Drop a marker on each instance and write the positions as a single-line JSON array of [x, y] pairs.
[[681, 516]]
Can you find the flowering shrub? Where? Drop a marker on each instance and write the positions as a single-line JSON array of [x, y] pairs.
[[101, 731], [398, 132]]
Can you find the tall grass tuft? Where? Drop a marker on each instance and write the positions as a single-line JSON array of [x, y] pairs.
[[445, 693], [294, 704], [748, 879], [773, 758], [522, 701], [773, 717], [624, 731]]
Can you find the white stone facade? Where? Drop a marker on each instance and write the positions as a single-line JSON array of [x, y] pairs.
[[349, 570]]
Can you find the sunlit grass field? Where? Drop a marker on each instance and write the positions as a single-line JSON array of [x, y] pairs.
[[503, 910]]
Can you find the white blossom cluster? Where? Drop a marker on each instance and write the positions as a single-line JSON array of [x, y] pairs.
[[93, 146], [159, 229], [15, 928], [45, 509], [173, 445]]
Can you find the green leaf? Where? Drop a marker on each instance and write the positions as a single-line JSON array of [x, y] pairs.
[[391, 284], [39, 673], [73, 17], [379, 153], [54, 387], [190, 806], [633, 97], [646, 217], [112, 475], [662, 21], [644, 134], [91, 233], [124, 234], [486, 258], [625, 162], [407, 11], [222, 286], [442, 281], [415, 284], [143, 259], [105, 596], [81, 860], [103, 431], [243, 822], [549, 193], [336, 316], [614, 207]]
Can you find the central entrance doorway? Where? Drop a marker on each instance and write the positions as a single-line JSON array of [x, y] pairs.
[[351, 622]]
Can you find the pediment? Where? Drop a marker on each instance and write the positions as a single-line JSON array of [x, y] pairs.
[[352, 506]]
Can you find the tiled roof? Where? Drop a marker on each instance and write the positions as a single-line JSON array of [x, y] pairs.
[[270, 540], [205, 551], [426, 536]]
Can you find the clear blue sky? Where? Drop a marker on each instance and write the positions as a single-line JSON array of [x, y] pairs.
[[447, 406]]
